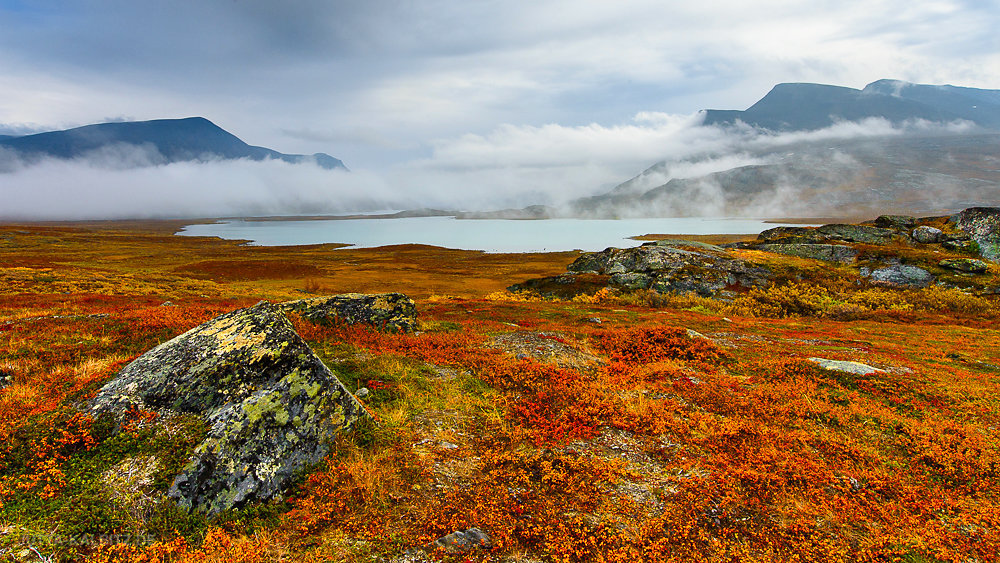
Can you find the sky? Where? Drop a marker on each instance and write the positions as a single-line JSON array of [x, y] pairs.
[[504, 101]]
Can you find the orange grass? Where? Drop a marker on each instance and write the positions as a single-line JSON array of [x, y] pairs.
[[677, 448]]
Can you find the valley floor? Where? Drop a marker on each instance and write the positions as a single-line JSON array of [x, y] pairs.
[[609, 427]]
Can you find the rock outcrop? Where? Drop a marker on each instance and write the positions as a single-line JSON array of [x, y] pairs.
[[671, 266], [982, 224], [271, 405], [392, 311]]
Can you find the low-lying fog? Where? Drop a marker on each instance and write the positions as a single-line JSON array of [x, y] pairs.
[[511, 167]]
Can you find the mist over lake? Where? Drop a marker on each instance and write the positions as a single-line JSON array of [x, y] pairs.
[[489, 235]]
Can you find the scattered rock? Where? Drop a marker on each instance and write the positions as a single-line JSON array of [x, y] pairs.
[[926, 235], [6, 379], [900, 275], [362, 393], [969, 265], [270, 403], [393, 311], [827, 252], [856, 368], [982, 224], [462, 542]]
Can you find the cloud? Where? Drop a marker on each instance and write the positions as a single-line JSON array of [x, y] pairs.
[[373, 80]]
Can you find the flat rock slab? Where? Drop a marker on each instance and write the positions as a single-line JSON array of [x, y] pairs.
[[826, 252], [392, 311], [272, 406], [857, 368]]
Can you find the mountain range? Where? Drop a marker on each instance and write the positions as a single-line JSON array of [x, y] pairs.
[[799, 107], [161, 141], [943, 156]]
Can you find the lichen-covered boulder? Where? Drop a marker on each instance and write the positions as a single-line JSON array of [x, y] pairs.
[[393, 311], [968, 265], [272, 406], [983, 225]]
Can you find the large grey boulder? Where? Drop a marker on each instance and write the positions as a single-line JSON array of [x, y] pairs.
[[393, 311], [272, 406], [899, 275], [983, 225], [926, 235]]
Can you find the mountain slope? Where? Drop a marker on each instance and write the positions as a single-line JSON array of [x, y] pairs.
[[174, 140], [847, 177], [801, 106]]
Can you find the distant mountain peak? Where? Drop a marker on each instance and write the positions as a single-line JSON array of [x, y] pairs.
[[796, 106], [174, 140]]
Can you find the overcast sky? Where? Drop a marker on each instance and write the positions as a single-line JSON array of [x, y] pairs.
[[465, 84]]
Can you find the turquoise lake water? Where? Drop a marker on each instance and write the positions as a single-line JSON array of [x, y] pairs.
[[489, 235]]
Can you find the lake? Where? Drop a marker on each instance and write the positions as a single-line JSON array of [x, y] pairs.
[[490, 235]]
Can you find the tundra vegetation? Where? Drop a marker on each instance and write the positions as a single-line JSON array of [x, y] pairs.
[[610, 425]]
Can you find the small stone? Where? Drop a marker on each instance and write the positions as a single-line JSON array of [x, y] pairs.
[[361, 393], [595, 320]]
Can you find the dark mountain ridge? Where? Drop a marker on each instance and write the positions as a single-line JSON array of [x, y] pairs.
[[803, 106], [174, 140]]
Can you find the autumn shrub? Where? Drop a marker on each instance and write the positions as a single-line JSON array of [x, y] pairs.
[[793, 299], [939, 299], [650, 344]]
